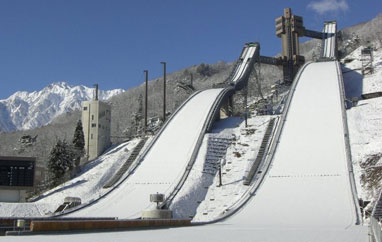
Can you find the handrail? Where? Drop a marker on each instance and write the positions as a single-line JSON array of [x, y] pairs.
[[270, 155], [376, 204], [347, 143], [375, 230]]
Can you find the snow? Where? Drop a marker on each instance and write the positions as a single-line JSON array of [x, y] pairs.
[[308, 184], [365, 118], [201, 191], [355, 83], [87, 185], [23, 110], [162, 167], [306, 195]]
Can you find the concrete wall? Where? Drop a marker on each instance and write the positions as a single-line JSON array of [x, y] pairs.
[[8, 195], [96, 119]]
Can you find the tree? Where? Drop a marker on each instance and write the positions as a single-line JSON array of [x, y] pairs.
[[78, 143], [204, 70], [60, 161], [78, 138]]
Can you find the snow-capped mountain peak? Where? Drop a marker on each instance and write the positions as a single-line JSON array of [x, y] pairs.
[[27, 110]]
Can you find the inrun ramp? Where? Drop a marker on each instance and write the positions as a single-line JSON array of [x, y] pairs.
[[329, 44]]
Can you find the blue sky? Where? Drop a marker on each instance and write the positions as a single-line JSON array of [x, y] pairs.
[[111, 42]]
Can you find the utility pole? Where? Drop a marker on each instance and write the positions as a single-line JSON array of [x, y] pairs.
[[164, 90], [246, 105], [146, 96]]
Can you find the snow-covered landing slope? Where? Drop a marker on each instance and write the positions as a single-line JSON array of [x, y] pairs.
[[308, 185], [162, 167], [87, 185]]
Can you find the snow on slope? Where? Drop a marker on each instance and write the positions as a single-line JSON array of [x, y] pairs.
[[87, 185], [200, 197], [307, 186], [365, 119], [162, 167], [234, 230], [24, 110]]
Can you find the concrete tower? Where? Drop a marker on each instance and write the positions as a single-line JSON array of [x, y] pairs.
[[96, 119]]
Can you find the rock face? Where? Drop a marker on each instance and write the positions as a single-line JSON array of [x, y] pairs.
[[24, 110]]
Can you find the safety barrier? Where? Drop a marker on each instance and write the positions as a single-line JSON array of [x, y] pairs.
[[83, 225]]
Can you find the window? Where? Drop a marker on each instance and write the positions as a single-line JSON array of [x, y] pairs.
[[92, 117], [85, 108], [91, 136], [94, 125]]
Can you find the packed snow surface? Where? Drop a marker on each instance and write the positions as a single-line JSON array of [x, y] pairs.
[[306, 195], [162, 167], [24, 110], [308, 184]]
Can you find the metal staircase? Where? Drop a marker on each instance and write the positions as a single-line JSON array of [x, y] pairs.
[[261, 154], [377, 211], [134, 154], [216, 150]]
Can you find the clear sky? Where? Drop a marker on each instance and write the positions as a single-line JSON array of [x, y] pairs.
[[111, 42]]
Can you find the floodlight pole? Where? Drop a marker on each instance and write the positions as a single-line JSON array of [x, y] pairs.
[[146, 95], [164, 90]]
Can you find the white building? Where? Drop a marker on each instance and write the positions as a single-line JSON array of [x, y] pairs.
[[96, 119]]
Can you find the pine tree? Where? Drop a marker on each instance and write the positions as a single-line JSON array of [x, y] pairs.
[[60, 161], [78, 138], [78, 143]]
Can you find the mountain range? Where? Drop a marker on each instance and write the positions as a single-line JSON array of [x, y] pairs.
[[27, 110]]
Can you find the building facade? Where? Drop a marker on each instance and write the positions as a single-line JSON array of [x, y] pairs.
[[96, 120], [17, 177]]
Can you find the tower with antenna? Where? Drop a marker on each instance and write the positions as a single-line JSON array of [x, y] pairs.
[[96, 120]]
